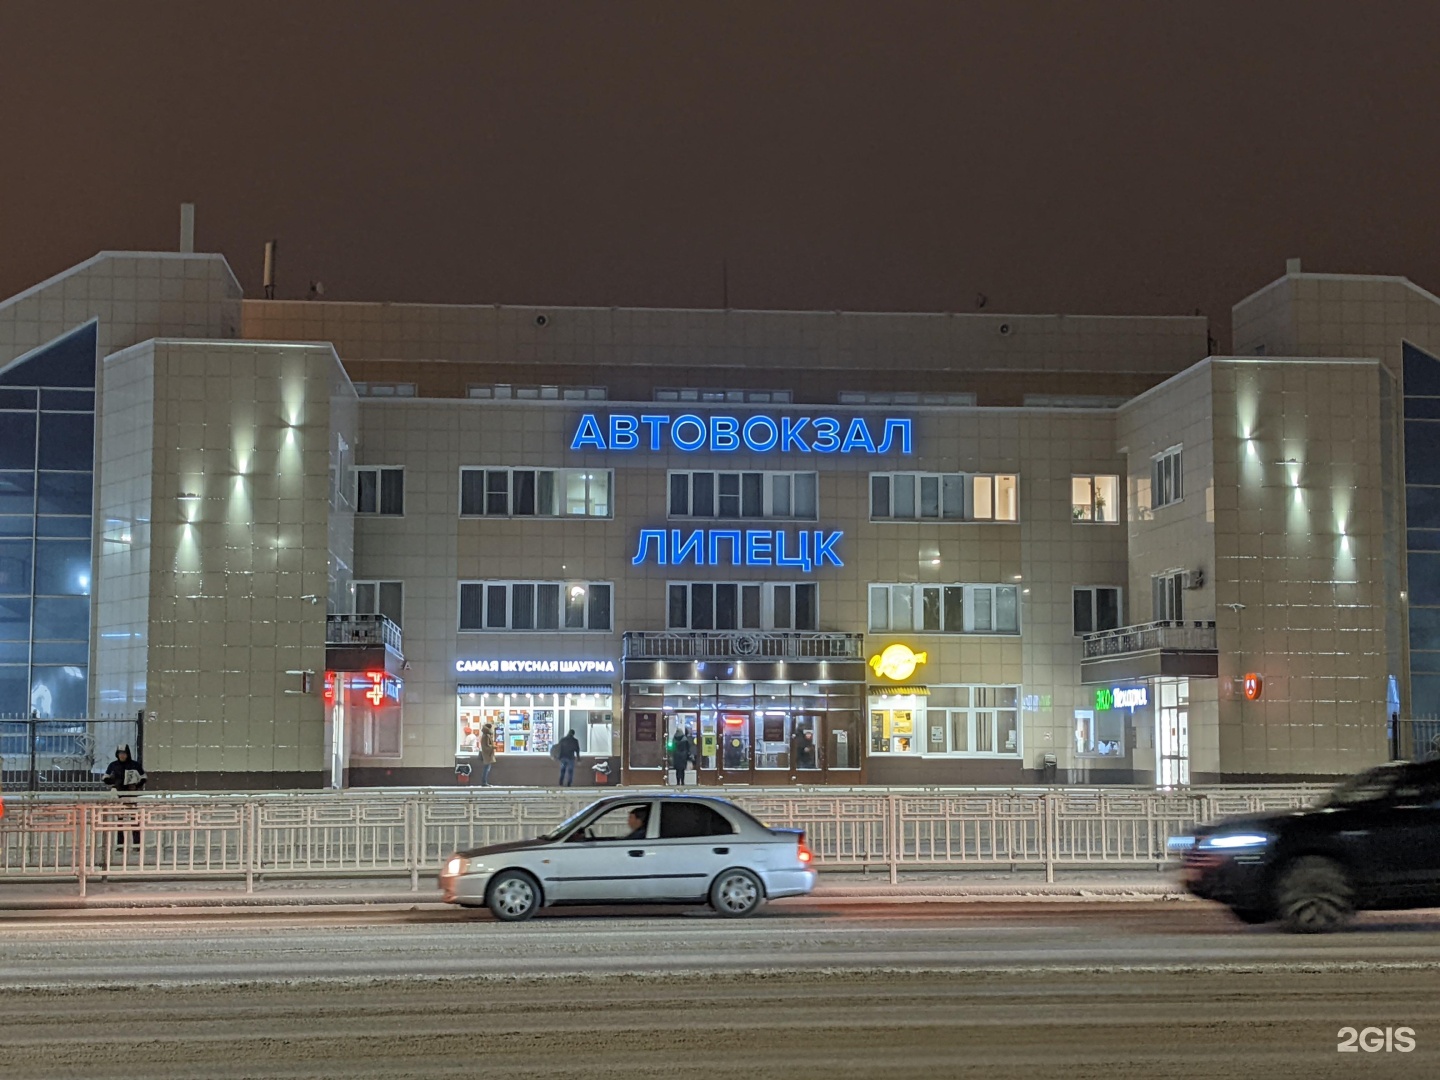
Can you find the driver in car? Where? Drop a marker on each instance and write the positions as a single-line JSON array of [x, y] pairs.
[[638, 821]]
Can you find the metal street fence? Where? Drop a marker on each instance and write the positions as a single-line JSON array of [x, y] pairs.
[[314, 834], [60, 755]]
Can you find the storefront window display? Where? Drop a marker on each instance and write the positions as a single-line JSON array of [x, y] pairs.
[[531, 723], [1099, 734], [968, 721]]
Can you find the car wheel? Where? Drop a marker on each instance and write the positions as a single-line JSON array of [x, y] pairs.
[[1251, 916], [514, 896], [736, 893], [1314, 896]]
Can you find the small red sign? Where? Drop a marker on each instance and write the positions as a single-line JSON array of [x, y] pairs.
[[1253, 685]]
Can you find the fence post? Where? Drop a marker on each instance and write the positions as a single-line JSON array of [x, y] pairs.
[[415, 841], [893, 828], [249, 845], [82, 846], [1050, 839], [34, 752]]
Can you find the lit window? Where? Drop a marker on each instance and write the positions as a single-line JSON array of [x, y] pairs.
[[1095, 498]]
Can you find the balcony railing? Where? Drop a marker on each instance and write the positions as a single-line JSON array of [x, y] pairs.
[[362, 630], [743, 645], [1151, 637]]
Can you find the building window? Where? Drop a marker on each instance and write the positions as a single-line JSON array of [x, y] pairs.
[[1165, 485], [902, 397], [507, 391], [1099, 734], [1166, 592], [380, 598], [791, 496], [534, 605], [374, 389], [513, 492], [1074, 401], [943, 497], [380, 490], [945, 609], [701, 393], [1097, 607], [741, 605], [956, 721], [376, 732], [1095, 498]]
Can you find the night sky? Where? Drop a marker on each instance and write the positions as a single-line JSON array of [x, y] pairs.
[[1086, 157]]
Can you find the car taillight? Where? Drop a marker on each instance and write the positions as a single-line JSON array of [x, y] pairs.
[[802, 852]]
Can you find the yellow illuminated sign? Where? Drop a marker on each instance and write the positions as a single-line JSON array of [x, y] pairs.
[[896, 662]]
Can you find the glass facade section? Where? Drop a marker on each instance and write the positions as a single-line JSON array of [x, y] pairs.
[[1422, 506], [47, 487]]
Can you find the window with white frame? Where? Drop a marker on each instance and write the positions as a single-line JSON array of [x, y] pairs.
[[1100, 734], [944, 497], [508, 392], [525, 492], [1166, 596], [945, 609], [742, 605], [1097, 607], [1165, 483], [380, 489], [373, 389], [905, 397], [1095, 498], [534, 605], [375, 732], [958, 721], [787, 495], [701, 393], [379, 598]]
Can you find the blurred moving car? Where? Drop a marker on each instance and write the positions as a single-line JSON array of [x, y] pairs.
[[1372, 843], [637, 849]]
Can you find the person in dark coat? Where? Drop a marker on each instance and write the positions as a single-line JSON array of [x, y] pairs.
[[681, 751], [568, 751], [805, 750], [127, 776], [487, 752]]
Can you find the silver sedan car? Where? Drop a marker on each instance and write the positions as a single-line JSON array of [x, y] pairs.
[[637, 849]]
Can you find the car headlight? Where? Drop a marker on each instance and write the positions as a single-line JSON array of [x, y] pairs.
[[1232, 841], [1178, 844], [455, 867]]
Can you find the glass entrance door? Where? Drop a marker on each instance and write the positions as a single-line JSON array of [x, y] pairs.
[[806, 742], [735, 763]]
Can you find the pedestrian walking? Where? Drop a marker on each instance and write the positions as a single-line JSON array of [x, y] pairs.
[[681, 751], [127, 776], [567, 751], [487, 753]]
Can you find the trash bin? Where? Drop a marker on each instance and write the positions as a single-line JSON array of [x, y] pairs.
[[1048, 768], [602, 773], [462, 772]]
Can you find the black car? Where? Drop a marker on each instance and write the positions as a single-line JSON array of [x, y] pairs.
[[1372, 843]]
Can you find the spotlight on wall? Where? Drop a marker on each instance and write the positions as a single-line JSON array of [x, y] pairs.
[[311, 597]]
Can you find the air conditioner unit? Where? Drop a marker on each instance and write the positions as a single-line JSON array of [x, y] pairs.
[[1192, 579]]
